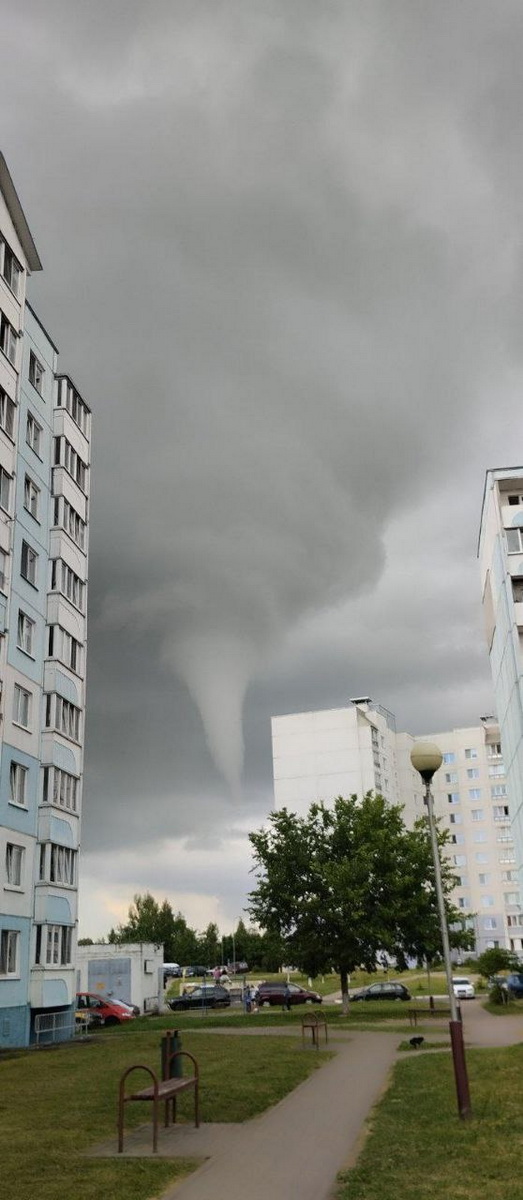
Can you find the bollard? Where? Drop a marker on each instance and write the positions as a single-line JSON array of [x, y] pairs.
[[171, 1042]]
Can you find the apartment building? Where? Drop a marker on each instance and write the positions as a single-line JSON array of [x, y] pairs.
[[500, 555], [318, 756], [44, 496]]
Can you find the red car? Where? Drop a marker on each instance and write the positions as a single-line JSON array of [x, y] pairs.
[[102, 1011], [279, 993]]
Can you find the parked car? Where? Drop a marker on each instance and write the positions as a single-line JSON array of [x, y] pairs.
[[238, 968], [276, 993], [514, 984], [382, 991], [462, 987], [208, 995], [102, 1011], [196, 972], [171, 971]]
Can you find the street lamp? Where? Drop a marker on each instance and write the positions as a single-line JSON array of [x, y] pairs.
[[426, 758]]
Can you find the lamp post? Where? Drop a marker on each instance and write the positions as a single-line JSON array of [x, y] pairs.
[[426, 758]]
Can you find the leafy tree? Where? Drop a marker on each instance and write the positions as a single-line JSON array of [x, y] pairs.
[[85, 942], [347, 882], [497, 959], [149, 921]]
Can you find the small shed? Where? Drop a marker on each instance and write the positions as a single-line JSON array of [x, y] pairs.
[[128, 971]]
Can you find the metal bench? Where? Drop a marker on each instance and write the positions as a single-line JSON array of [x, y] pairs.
[[431, 1011], [162, 1091], [314, 1021]]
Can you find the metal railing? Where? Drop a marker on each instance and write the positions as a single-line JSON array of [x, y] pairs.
[[59, 1027]]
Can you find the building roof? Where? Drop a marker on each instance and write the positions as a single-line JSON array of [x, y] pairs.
[[16, 213], [515, 473]]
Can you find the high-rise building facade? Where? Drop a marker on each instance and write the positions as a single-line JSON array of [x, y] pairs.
[[345, 751], [44, 496], [501, 565]]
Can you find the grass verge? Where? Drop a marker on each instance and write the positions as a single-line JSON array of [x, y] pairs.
[[418, 1149], [360, 1013], [55, 1104]]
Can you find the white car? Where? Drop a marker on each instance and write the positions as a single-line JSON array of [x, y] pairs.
[[462, 987]]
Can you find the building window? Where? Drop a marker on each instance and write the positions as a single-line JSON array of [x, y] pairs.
[[66, 517], [65, 648], [499, 789], [511, 897], [63, 716], [509, 877], [7, 413], [490, 923], [455, 818], [451, 777], [22, 706], [460, 860], [474, 793], [9, 947], [28, 563], [449, 757], [31, 496], [471, 752], [505, 835], [478, 814], [3, 571], [494, 750], [494, 772], [36, 373], [507, 856], [514, 540], [64, 580], [513, 919], [484, 878], [5, 490], [14, 858], [8, 339], [463, 902], [66, 456], [487, 901], [481, 857], [453, 797], [25, 632], [10, 269], [67, 397], [17, 784], [61, 788], [62, 865], [500, 812], [480, 835], [457, 839], [33, 434], [473, 773], [54, 943]]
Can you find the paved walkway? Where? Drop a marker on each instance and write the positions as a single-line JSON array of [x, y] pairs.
[[297, 1148]]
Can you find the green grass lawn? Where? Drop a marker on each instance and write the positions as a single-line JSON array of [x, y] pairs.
[[55, 1104], [359, 1013], [418, 1149]]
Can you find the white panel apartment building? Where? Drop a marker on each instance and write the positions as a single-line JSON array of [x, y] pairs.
[[320, 755], [501, 564], [44, 490]]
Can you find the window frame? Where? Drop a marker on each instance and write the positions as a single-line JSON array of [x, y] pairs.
[[8, 939], [20, 691], [14, 864], [36, 373], [25, 626]]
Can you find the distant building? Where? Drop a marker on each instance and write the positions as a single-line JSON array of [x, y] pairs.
[[320, 755], [501, 564], [44, 490]]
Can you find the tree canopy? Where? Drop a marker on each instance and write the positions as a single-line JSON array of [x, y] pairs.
[[348, 882]]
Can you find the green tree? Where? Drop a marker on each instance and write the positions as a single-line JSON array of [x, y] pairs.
[[148, 921], [347, 882], [497, 959]]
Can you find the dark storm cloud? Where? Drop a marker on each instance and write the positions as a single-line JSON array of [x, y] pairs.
[[283, 261]]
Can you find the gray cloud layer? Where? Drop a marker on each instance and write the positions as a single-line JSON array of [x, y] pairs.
[[283, 258]]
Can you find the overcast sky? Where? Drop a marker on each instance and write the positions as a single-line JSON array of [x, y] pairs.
[[282, 259]]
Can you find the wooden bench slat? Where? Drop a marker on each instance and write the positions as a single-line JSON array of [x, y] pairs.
[[166, 1088]]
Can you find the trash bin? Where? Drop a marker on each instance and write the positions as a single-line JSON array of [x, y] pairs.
[[171, 1042]]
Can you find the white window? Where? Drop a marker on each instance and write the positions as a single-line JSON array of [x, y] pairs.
[[22, 706], [514, 540], [463, 880], [64, 580], [31, 496], [3, 570], [496, 771], [471, 753], [472, 772], [57, 945], [498, 789], [62, 864], [507, 856], [505, 835], [17, 783], [36, 373], [513, 919], [458, 839], [500, 812], [480, 836], [33, 434], [61, 788], [8, 339], [451, 777], [490, 923], [449, 757], [463, 902], [5, 490], [487, 901], [511, 897], [25, 632], [481, 857], [67, 397], [9, 949], [65, 648], [67, 518], [14, 857], [28, 563], [484, 878], [7, 413], [494, 750], [509, 876], [66, 456], [10, 268], [453, 797], [66, 716], [455, 818], [460, 860], [474, 793], [478, 814]]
